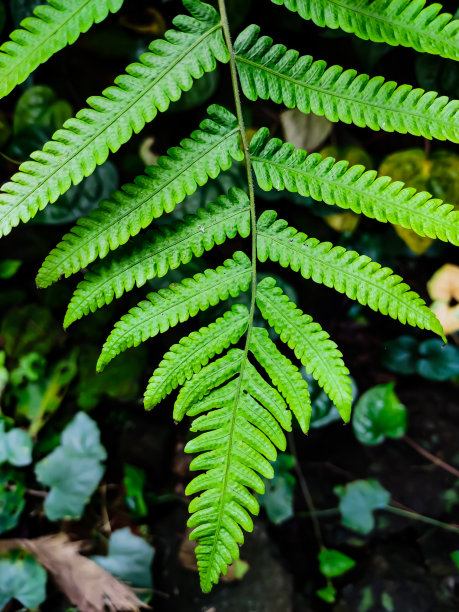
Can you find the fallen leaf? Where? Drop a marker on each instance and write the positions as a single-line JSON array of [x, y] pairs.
[[443, 288], [306, 132], [87, 585]]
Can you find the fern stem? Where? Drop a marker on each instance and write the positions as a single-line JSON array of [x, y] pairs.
[[206, 580]]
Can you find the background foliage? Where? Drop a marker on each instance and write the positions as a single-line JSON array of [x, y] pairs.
[[79, 456]]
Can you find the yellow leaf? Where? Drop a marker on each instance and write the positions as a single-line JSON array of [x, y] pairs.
[[444, 284], [152, 23], [447, 315], [343, 222], [416, 244]]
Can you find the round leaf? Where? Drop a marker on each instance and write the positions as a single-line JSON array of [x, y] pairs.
[[379, 414], [438, 361]]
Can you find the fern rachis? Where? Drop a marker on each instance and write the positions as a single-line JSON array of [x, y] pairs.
[[236, 382]]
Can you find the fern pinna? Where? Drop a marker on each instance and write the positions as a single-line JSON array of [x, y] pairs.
[[238, 384]]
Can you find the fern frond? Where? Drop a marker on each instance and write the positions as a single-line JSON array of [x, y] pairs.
[[311, 344], [279, 165], [284, 375], [177, 174], [240, 436], [53, 26], [177, 304], [161, 250], [148, 87], [193, 352], [409, 23], [271, 72], [356, 275]]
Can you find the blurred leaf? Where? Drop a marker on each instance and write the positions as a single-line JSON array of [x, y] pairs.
[[278, 497], [31, 367], [41, 398], [417, 244], [324, 411], [29, 328], [151, 22], [12, 489], [15, 446], [328, 593], [447, 315], [443, 288], [379, 414], [333, 563], [455, 558], [438, 74], [401, 355], [4, 374], [134, 482], [80, 199], [5, 128], [358, 500], [438, 361], [9, 267], [73, 470], [120, 381], [306, 132], [39, 106], [21, 578], [202, 90], [129, 559], [355, 155], [343, 222], [30, 139]]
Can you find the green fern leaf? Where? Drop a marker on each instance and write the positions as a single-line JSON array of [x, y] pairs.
[[193, 352], [311, 344], [278, 165], [53, 26], [356, 275], [239, 437], [396, 22], [284, 375], [178, 174], [159, 251], [148, 87], [271, 72], [266, 395], [177, 304]]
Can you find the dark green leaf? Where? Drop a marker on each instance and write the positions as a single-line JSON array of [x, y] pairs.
[[30, 328], [21, 578], [438, 361], [379, 414], [39, 106], [9, 267], [73, 470], [134, 481], [333, 563], [278, 498], [401, 355], [358, 500], [12, 503], [455, 558]]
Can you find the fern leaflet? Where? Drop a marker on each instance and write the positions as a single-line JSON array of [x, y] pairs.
[[176, 304], [149, 86], [284, 375], [159, 251], [271, 72], [311, 344], [356, 275], [279, 165], [194, 351], [397, 22]]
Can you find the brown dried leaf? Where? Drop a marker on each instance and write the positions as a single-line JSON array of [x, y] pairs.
[[87, 585]]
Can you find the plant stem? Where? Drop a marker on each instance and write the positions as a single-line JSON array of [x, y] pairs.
[[435, 460], [420, 517]]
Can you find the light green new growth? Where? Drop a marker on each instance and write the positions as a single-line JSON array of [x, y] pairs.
[[397, 22], [271, 72], [243, 400], [54, 26]]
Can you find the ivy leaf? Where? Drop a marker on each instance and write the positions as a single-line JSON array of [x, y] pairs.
[[39, 106], [80, 199], [401, 355], [73, 470], [358, 500], [129, 559], [438, 361], [21, 578], [15, 446], [379, 414], [278, 498], [333, 563], [12, 489]]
